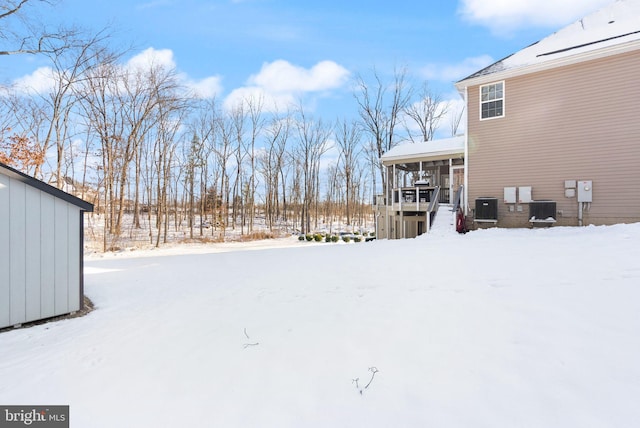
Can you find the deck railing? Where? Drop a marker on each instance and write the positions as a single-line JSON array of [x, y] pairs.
[[457, 199], [433, 207], [412, 198]]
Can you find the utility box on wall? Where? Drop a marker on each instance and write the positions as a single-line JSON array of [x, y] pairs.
[[585, 191], [509, 195], [525, 194]]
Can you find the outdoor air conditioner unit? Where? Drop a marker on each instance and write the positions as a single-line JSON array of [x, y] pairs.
[[486, 209], [542, 211]]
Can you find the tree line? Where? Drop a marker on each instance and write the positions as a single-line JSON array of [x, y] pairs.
[[135, 142]]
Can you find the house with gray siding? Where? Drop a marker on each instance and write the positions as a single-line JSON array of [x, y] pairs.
[[553, 135], [41, 249]]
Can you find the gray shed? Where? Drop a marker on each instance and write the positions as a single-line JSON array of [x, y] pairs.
[[41, 249]]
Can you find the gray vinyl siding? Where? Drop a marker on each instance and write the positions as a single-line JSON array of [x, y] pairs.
[[5, 227], [40, 251], [47, 264], [577, 122], [74, 255], [17, 251], [32, 254]]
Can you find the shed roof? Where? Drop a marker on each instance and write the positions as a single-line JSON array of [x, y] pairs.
[[41, 185], [613, 26], [426, 150]]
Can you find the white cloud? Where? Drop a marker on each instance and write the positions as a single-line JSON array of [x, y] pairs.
[[455, 72], [208, 87], [43, 79], [281, 84], [282, 76], [505, 16], [40, 81], [152, 57]]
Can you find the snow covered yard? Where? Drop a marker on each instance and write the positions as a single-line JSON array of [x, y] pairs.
[[496, 328]]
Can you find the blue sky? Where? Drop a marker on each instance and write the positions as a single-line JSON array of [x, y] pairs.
[[310, 52]]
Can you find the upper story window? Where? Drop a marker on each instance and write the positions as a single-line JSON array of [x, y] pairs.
[[492, 100]]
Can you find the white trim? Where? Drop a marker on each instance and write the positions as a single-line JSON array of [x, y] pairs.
[[427, 150], [466, 154], [549, 65], [503, 99]]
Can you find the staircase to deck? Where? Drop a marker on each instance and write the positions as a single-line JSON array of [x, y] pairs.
[[444, 221]]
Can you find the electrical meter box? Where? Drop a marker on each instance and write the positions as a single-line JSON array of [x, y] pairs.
[[585, 191], [509, 195], [525, 194]]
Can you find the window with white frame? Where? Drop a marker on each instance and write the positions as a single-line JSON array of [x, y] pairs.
[[492, 100]]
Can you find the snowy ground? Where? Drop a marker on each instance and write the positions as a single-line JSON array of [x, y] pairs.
[[495, 328]]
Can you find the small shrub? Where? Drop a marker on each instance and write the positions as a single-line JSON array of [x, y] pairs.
[[334, 238], [317, 237], [357, 238], [346, 238], [328, 238], [357, 232], [308, 237], [300, 237], [257, 236]]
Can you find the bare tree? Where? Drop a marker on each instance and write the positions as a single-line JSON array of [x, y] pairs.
[[100, 111], [140, 95], [426, 114], [456, 119], [224, 152], [193, 162], [69, 67], [256, 124], [313, 138], [271, 163], [380, 111], [347, 137], [204, 126], [22, 32], [165, 147], [238, 119]]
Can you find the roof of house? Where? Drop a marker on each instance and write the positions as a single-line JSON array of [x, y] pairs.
[[613, 26], [426, 150], [41, 185]]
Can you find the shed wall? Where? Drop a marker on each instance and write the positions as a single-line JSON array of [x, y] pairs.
[[5, 227], [576, 122], [40, 254]]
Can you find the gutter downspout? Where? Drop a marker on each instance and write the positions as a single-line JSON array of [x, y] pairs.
[[465, 191]]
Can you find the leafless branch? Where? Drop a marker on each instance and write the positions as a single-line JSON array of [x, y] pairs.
[[246, 345], [373, 371], [11, 9]]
